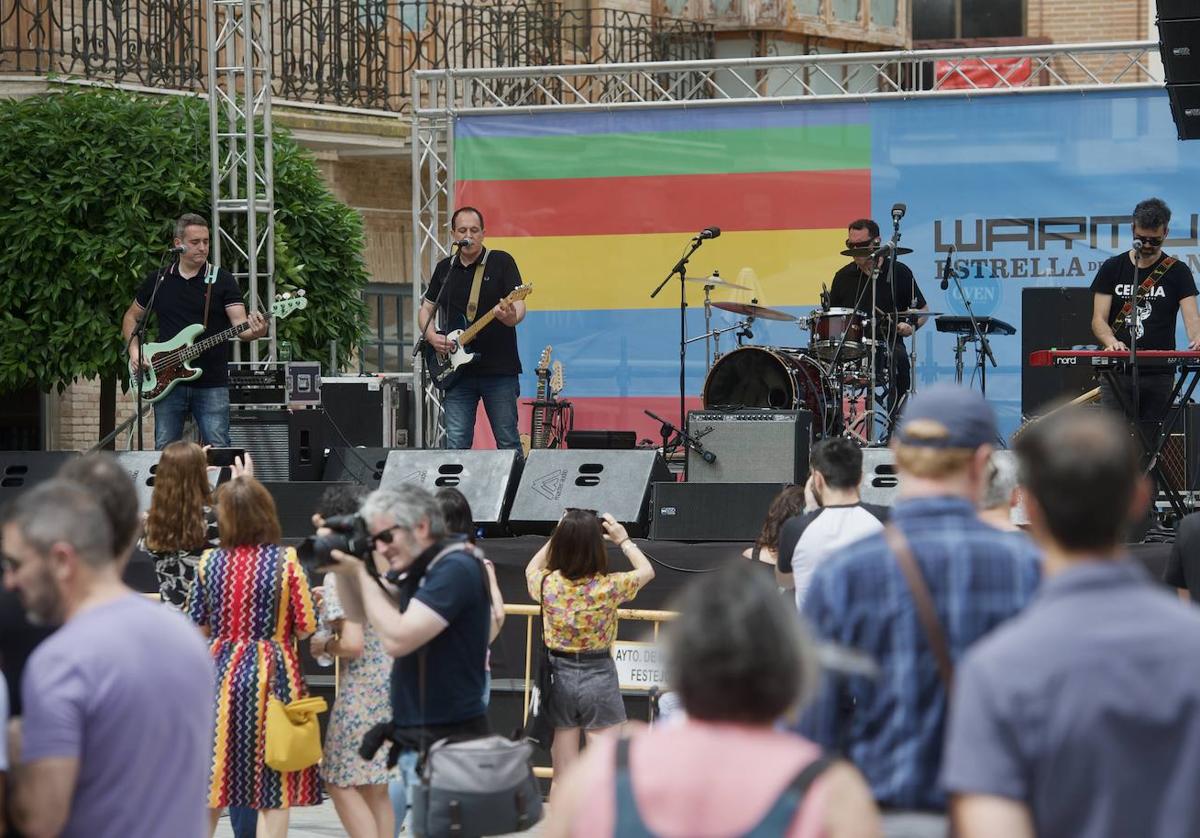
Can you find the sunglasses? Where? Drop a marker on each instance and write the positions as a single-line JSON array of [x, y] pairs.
[[1150, 241], [385, 536]]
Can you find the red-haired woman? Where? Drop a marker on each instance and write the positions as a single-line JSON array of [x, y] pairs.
[[253, 600], [570, 577]]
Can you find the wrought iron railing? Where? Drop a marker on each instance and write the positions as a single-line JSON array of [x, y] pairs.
[[348, 53]]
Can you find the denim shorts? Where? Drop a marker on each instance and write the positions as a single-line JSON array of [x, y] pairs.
[[586, 693]]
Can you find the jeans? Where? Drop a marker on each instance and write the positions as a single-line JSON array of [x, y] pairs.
[[244, 821], [209, 406], [499, 394]]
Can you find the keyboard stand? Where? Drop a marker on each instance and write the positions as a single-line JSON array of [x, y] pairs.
[[1189, 373]]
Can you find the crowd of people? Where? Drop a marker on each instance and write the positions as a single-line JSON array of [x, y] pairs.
[[1023, 681]]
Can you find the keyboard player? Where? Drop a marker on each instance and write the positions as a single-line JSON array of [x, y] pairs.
[[1169, 289]]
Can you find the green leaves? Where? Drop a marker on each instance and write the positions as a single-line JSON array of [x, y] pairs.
[[90, 184]]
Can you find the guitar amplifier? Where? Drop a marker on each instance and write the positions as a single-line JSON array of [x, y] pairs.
[[750, 446], [258, 384]]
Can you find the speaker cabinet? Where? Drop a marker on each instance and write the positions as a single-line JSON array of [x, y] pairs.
[[295, 502], [1179, 46], [1054, 318], [1176, 10], [486, 478], [285, 444], [710, 511], [21, 470], [141, 466], [750, 446], [880, 481], [616, 482]]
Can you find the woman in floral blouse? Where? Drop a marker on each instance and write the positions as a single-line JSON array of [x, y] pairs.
[[570, 577]]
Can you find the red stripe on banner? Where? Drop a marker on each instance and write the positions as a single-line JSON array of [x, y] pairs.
[[603, 413], [669, 203]]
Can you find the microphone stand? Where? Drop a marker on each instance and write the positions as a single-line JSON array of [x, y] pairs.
[[139, 334], [420, 343], [684, 437], [681, 269], [983, 351]]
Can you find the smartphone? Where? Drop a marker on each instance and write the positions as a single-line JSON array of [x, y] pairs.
[[224, 457]]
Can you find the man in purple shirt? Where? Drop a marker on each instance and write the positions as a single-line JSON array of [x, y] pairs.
[[1078, 716], [117, 727]]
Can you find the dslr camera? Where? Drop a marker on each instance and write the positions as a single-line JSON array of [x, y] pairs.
[[349, 534]]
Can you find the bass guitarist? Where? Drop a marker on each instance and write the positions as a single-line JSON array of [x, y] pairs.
[[463, 287], [192, 291]]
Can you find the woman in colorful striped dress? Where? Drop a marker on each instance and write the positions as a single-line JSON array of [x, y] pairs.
[[253, 600]]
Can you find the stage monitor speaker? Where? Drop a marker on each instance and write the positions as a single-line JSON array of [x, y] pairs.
[[880, 481], [1185, 109], [750, 446], [710, 511], [141, 466], [1054, 318], [295, 502], [617, 482], [360, 465], [285, 444], [607, 440], [487, 479], [21, 470]]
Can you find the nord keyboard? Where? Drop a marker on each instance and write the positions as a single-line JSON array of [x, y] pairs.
[[1105, 358]]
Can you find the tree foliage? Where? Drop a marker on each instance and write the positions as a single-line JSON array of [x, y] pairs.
[[90, 183]]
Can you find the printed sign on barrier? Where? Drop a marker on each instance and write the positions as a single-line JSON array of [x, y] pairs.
[[639, 665]]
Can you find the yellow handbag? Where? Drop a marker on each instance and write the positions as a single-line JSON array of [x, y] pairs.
[[293, 733]]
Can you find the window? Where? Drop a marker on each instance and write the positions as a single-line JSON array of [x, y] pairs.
[[387, 346], [954, 19]]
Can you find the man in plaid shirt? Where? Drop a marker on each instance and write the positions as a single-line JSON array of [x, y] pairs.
[[892, 727]]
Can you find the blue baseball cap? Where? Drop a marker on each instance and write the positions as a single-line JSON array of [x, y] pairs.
[[967, 419]]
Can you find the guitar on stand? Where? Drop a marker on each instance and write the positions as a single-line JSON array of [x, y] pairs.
[[547, 410], [170, 360]]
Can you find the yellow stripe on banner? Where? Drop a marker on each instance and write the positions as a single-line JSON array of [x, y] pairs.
[[572, 273]]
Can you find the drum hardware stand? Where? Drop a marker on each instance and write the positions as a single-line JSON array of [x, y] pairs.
[[666, 429], [983, 351], [716, 338], [681, 269]]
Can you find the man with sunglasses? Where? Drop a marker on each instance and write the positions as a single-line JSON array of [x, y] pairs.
[[851, 288], [1158, 287]]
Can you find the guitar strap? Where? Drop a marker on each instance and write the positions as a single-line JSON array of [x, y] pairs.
[[209, 280], [476, 287]]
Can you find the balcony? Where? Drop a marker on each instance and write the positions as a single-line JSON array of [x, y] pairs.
[[353, 54]]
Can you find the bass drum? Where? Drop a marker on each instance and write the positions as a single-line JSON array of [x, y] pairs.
[[770, 377]]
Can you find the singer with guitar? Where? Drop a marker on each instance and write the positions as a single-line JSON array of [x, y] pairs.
[[189, 292], [851, 288], [468, 285]]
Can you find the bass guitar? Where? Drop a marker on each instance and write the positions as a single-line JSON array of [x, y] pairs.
[[170, 359], [444, 367]]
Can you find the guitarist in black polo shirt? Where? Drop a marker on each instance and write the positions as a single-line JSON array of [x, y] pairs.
[[193, 291], [488, 276]]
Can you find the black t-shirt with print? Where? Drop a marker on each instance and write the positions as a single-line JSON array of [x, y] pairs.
[[180, 303], [851, 286], [1119, 277], [496, 344]]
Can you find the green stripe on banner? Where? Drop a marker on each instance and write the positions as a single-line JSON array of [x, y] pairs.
[[805, 148]]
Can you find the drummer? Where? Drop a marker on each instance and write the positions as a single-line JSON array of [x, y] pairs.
[[851, 289]]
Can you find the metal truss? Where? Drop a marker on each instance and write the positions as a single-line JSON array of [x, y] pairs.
[[865, 75], [440, 96], [239, 120]]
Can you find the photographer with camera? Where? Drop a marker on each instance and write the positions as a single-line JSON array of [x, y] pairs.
[[436, 628]]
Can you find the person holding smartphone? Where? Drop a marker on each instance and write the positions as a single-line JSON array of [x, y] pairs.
[[569, 577]]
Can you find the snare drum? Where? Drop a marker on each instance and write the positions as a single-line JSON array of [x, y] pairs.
[[830, 325], [771, 377]]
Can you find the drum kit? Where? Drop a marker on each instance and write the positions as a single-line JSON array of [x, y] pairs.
[[830, 377]]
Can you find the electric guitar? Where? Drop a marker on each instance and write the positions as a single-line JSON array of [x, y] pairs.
[[444, 367], [536, 437], [557, 382], [170, 359]]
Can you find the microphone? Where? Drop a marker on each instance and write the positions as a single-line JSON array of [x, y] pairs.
[[898, 211], [946, 270], [461, 243], [1138, 244], [708, 456], [709, 233], [884, 249], [179, 248]]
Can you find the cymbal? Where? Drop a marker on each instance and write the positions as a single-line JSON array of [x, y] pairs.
[[717, 282], [867, 251], [748, 310]]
